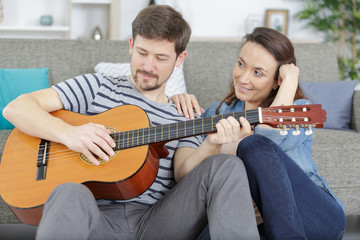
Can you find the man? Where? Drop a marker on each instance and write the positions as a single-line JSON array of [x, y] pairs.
[[188, 190]]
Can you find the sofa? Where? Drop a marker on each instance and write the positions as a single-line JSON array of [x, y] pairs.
[[207, 72]]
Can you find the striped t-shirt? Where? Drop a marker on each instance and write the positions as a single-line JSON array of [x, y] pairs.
[[91, 94]]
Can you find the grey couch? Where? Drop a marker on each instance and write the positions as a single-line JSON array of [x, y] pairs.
[[207, 70]]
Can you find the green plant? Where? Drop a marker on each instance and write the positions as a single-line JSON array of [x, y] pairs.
[[339, 20]]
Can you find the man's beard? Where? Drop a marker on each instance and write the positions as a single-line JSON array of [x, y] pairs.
[[148, 88]]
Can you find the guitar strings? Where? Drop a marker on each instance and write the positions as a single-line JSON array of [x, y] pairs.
[[64, 152], [60, 151]]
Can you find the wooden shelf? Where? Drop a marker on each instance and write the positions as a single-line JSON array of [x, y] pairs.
[[92, 1], [65, 24], [36, 28]]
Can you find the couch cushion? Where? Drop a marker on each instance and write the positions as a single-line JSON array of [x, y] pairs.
[[336, 154], [175, 84], [14, 82], [335, 97]]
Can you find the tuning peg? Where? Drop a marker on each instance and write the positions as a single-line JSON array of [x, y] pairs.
[[296, 132], [284, 132], [309, 131]]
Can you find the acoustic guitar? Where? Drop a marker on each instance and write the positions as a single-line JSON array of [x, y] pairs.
[[31, 168]]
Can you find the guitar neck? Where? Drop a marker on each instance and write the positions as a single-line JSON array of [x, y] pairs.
[[172, 131]]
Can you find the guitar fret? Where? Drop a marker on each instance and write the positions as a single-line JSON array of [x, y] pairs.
[[162, 131], [128, 139], [143, 138], [202, 125], [212, 123], [137, 140], [185, 128], [155, 134], [131, 138], [124, 140], [169, 131], [177, 130]]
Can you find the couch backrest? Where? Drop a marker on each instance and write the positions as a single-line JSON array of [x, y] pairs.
[[208, 67]]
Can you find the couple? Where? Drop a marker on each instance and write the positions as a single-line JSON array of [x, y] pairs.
[[210, 181]]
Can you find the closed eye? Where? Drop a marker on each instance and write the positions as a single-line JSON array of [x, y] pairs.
[[142, 53], [161, 59]]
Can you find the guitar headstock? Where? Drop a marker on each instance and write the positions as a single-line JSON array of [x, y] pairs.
[[294, 116]]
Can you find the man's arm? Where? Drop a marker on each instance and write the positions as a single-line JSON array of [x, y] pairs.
[[30, 113]]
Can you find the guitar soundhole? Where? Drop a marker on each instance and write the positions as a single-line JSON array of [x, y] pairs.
[[87, 161]]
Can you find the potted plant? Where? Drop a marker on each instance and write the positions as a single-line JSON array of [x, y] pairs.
[[339, 20]]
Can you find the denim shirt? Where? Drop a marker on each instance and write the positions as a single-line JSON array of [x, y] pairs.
[[298, 147]]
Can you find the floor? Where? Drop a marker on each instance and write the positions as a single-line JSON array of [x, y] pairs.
[[26, 232]]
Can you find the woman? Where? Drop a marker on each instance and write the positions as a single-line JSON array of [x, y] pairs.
[[294, 201]]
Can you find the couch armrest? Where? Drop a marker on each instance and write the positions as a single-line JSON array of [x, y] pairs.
[[355, 121]]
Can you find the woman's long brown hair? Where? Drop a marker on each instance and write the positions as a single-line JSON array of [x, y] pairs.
[[283, 51]]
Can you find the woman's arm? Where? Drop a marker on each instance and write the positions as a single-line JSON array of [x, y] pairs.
[[228, 131], [288, 82]]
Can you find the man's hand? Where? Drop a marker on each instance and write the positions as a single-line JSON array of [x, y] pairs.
[[186, 104], [90, 139]]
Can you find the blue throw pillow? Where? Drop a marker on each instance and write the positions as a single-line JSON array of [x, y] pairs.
[[14, 82], [335, 97]]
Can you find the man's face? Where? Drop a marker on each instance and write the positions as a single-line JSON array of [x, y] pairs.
[[152, 62]]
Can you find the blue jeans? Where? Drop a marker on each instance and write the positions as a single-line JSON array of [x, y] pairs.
[[291, 204]]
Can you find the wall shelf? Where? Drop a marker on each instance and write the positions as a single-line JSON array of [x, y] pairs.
[[75, 19], [36, 28], [92, 1]]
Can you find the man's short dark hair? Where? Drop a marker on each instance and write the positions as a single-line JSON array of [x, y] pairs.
[[162, 22]]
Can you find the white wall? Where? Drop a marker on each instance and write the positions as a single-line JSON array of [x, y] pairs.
[[229, 19], [223, 19]]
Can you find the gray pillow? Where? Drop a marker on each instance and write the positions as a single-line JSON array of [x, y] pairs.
[[335, 97]]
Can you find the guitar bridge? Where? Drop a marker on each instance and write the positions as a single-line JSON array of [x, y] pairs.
[[41, 163]]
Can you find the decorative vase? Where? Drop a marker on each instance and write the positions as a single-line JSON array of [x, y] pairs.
[[46, 20], [97, 34]]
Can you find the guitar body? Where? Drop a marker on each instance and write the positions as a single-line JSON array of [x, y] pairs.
[[128, 174]]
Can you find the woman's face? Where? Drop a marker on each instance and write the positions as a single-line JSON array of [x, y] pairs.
[[253, 74]]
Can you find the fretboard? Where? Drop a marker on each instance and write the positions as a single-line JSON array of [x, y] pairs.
[[177, 130]]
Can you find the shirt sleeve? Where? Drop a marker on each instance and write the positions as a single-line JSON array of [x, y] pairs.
[[77, 93]]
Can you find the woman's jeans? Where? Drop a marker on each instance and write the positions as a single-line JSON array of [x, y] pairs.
[[291, 204]]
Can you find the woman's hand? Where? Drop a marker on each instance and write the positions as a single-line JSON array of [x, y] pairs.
[[186, 104], [288, 81], [288, 72], [230, 130]]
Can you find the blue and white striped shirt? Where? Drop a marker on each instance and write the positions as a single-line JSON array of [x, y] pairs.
[[91, 94]]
